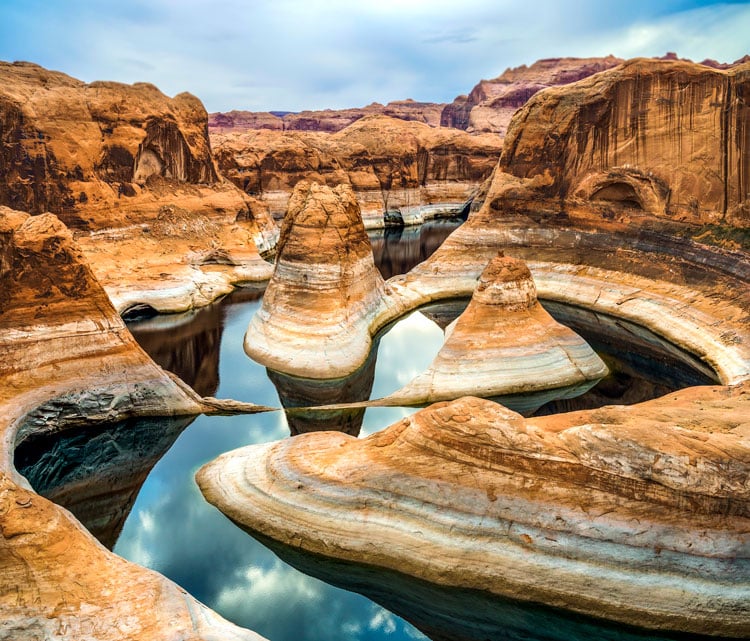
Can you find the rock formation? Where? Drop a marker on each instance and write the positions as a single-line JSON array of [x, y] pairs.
[[665, 138], [505, 344], [117, 162], [391, 165], [327, 120], [325, 291], [67, 360], [491, 104], [579, 510]]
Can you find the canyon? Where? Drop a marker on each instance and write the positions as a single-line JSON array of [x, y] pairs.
[[624, 193]]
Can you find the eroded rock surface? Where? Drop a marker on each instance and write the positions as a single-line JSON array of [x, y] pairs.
[[66, 359], [579, 511], [328, 120], [118, 163], [504, 344], [491, 104], [392, 165], [665, 138], [319, 305]]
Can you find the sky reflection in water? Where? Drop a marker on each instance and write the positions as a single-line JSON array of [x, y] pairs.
[[244, 581], [216, 561]]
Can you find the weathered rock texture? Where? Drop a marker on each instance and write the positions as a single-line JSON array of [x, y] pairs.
[[578, 511], [505, 343], [491, 104], [328, 120], [66, 359], [325, 290], [667, 138], [389, 163], [110, 159]]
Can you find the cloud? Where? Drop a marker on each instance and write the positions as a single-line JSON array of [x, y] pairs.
[[294, 54]]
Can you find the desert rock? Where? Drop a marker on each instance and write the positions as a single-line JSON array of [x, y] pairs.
[[327, 120], [491, 104], [68, 360], [319, 305], [668, 138], [392, 165], [579, 510], [114, 161], [505, 344]]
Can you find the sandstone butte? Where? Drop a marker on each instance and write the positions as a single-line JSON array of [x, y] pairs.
[[67, 360], [505, 344], [616, 190], [325, 290], [407, 168], [130, 171]]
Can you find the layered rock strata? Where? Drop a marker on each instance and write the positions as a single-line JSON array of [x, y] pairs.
[[505, 344], [67, 360], [579, 511], [491, 104], [667, 139], [325, 291], [131, 171], [408, 168], [328, 120]]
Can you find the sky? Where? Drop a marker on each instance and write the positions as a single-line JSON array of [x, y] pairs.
[[314, 54]]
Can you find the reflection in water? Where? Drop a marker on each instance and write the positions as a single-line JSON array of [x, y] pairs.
[[295, 392], [452, 614], [96, 472], [240, 578], [397, 250]]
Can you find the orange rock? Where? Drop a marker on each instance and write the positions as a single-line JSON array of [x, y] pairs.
[[391, 164], [67, 359], [577, 511], [506, 344], [108, 159]]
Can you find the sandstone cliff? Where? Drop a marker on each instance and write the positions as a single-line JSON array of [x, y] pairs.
[[391, 164], [67, 361], [328, 120], [491, 103], [113, 161], [669, 139]]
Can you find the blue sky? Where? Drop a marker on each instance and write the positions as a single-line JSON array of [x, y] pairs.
[[295, 54]]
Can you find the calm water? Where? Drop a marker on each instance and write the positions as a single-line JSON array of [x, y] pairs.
[[100, 476]]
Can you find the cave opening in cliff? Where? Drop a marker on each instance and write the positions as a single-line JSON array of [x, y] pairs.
[[620, 193]]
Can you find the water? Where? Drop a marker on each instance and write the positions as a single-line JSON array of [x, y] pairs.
[[99, 475]]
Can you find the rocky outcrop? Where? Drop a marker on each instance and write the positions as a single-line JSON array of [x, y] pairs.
[[579, 510], [112, 161], [506, 344], [663, 138], [491, 104], [67, 360], [391, 165], [327, 120], [325, 289]]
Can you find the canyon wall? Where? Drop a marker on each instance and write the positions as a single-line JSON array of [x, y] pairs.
[[130, 171], [669, 139], [330, 120], [390, 163], [491, 103]]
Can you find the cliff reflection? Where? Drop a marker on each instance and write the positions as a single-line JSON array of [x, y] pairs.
[[397, 250], [188, 344], [297, 392], [96, 472]]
